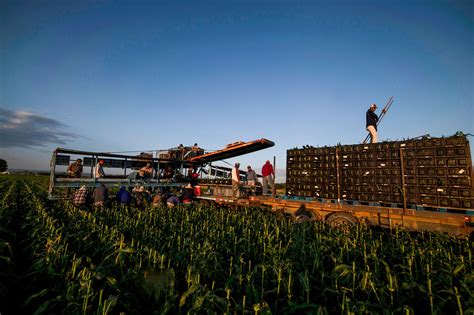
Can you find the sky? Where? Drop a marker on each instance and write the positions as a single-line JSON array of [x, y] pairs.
[[114, 76]]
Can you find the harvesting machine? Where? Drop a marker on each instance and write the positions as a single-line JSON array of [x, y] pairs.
[[170, 167], [420, 184]]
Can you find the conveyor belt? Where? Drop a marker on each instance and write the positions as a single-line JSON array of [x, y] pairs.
[[232, 151]]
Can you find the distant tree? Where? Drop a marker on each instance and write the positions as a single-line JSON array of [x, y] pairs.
[[3, 165]]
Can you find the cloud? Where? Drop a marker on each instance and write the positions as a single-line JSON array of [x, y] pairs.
[[27, 130]]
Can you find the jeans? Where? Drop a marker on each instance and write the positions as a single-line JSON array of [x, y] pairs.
[[267, 181], [235, 189], [251, 184]]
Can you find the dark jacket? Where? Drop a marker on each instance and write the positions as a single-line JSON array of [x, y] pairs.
[[123, 196], [188, 194], [100, 194], [371, 119]]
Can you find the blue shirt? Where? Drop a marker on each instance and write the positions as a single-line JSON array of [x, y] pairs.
[[173, 199]]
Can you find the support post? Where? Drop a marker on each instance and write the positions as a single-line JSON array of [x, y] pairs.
[[53, 174], [274, 176], [338, 179], [402, 168], [125, 168], [94, 166]]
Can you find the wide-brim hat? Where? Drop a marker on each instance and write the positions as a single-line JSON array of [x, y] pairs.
[[139, 189]]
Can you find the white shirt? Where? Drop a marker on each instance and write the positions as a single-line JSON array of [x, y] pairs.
[[235, 175], [99, 171]]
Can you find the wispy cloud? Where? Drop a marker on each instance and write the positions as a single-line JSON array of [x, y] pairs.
[[27, 130]]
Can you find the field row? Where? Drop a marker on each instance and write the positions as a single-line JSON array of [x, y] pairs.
[[196, 258]]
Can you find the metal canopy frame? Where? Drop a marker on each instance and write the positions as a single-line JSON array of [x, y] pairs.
[[112, 160], [61, 156]]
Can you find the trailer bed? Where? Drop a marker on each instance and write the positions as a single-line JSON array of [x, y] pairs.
[[342, 214]]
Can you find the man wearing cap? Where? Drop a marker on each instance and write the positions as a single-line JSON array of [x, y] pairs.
[[268, 174], [371, 123], [235, 180], [99, 169], [252, 179]]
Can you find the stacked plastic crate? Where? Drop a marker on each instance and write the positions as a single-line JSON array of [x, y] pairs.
[[432, 172], [311, 172]]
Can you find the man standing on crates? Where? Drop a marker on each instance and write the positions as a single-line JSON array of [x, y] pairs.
[[267, 173], [371, 123], [235, 181]]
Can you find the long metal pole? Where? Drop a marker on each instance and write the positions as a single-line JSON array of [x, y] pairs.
[[385, 110], [274, 176]]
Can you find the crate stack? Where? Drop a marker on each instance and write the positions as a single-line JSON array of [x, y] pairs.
[[311, 172], [435, 172]]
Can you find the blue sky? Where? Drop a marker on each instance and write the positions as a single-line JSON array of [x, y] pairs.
[[139, 75]]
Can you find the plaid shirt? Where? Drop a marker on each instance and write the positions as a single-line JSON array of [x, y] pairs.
[[80, 196]]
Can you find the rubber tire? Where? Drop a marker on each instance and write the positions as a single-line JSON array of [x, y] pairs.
[[341, 220]]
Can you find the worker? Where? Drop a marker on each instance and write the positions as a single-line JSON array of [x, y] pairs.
[[146, 172], [123, 196], [193, 176], [168, 172], [99, 169], [252, 179], [75, 169], [235, 180], [268, 173], [100, 195], [194, 150], [158, 199], [79, 198], [140, 196], [188, 194], [180, 153], [371, 122], [172, 201]]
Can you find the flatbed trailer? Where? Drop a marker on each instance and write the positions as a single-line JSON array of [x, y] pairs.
[[339, 214]]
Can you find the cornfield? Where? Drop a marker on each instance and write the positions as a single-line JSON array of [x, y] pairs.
[[56, 258]]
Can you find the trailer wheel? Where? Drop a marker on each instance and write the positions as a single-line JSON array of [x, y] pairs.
[[302, 218], [341, 220]]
